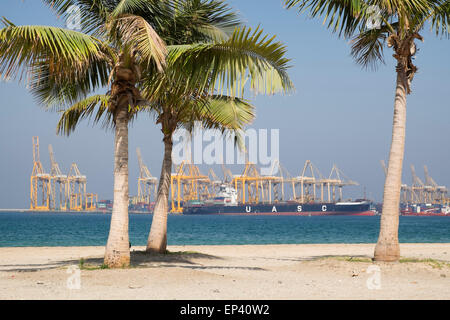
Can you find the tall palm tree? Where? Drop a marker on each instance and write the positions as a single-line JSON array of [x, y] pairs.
[[65, 66], [200, 51], [200, 69], [398, 27]]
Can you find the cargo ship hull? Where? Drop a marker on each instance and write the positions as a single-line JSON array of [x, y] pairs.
[[423, 210], [288, 209]]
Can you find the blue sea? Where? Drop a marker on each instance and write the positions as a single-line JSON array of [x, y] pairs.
[[91, 229]]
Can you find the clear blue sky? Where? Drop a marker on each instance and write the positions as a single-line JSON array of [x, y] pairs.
[[339, 113]]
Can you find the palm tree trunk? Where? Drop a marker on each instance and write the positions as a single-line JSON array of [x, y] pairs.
[[118, 247], [157, 240], [387, 248]]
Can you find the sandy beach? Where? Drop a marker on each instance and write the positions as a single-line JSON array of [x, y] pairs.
[[311, 271]]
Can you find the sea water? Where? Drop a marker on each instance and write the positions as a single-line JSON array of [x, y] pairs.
[[91, 229]]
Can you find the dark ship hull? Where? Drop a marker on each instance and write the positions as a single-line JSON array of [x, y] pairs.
[[286, 208]]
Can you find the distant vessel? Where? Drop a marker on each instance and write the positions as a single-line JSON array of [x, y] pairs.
[[226, 203], [424, 210]]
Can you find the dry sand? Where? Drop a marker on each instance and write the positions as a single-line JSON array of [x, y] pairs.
[[331, 271]]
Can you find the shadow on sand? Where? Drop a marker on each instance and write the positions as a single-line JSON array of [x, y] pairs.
[[139, 259], [178, 259]]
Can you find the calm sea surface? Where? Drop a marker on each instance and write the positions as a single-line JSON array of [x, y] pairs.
[[57, 229]]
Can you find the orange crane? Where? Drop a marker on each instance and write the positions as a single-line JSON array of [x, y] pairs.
[[249, 185], [417, 188], [91, 202], [147, 184], [59, 184], [187, 184], [40, 182], [77, 188]]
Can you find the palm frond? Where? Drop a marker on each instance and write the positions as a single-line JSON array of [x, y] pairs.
[[95, 106], [440, 17], [129, 6], [203, 20], [22, 47], [228, 115], [342, 16], [223, 112], [348, 17], [367, 46], [93, 13], [136, 32], [227, 65]]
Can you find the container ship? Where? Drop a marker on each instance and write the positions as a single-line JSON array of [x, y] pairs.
[[225, 203], [425, 210]]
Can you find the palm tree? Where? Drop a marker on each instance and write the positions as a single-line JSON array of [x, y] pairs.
[[64, 66], [199, 70], [185, 90], [398, 27]]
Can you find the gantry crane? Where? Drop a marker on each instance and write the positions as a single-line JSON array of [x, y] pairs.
[[77, 188], [274, 184], [147, 184], [405, 189], [435, 194], [249, 185], [40, 182], [215, 183], [91, 202], [227, 175], [417, 188], [187, 184], [304, 185], [59, 184], [342, 180]]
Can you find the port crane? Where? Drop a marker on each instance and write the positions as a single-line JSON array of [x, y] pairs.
[[227, 175], [187, 184], [341, 181], [420, 191], [59, 184], [91, 202], [215, 183], [249, 184], [274, 184], [405, 191], [304, 185], [40, 182], [147, 184], [417, 188], [77, 188], [435, 194]]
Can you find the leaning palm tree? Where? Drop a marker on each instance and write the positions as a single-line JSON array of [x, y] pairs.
[[372, 25], [64, 67]]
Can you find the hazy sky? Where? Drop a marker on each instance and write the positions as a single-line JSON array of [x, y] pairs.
[[339, 113]]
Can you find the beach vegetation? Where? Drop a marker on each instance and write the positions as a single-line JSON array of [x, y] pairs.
[[437, 264]]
